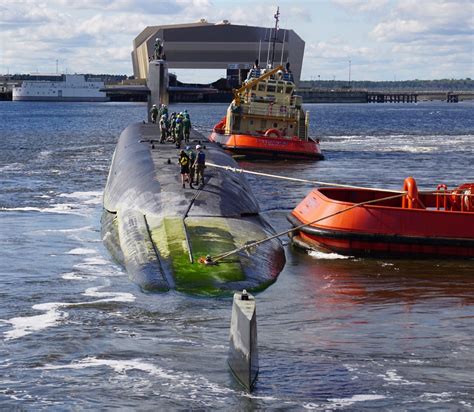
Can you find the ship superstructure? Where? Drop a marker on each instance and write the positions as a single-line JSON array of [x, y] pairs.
[[266, 117], [65, 87]]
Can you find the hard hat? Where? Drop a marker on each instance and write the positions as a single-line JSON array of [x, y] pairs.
[[198, 146], [154, 105], [187, 148]]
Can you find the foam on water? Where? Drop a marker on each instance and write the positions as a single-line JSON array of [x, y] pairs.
[[344, 402], [12, 167], [25, 325], [437, 397], [60, 208], [393, 378], [81, 251], [119, 366], [88, 198], [29, 324], [75, 276], [192, 387], [72, 230], [326, 256], [108, 296]]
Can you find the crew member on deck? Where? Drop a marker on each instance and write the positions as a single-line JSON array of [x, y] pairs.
[[154, 113], [199, 165], [183, 161], [186, 126], [163, 129]]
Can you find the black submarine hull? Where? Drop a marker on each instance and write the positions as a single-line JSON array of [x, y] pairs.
[[158, 231]]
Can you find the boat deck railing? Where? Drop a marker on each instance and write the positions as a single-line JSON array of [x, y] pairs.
[[269, 110], [256, 73]]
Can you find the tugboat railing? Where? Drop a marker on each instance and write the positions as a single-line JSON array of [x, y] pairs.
[[269, 110]]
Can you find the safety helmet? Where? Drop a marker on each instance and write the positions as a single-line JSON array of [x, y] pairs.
[[198, 146]]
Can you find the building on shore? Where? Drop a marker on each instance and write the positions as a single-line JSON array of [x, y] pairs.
[[223, 45]]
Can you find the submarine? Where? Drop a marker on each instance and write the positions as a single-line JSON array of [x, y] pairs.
[[159, 231]]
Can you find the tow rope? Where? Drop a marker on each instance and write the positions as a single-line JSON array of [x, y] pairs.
[[294, 179], [214, 259]]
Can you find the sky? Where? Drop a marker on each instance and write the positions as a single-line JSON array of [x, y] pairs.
[[382, 39]]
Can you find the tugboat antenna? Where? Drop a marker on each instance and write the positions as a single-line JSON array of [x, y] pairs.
[[277, 18]]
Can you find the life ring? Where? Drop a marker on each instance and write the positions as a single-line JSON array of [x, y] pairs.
[[270, 132], [411, 199]]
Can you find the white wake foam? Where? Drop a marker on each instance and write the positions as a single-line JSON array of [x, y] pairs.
[[28, 324], [343, 402], [88, 198], [81, 251], [393, 378], [25, 325], [326, 256]]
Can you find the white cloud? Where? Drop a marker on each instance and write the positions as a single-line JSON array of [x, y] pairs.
[[413, 20], [362, 5], [422, 37], [337, 49], [24, 13]]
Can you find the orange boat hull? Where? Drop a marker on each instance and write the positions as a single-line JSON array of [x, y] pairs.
[[263, 146], [381, 229]]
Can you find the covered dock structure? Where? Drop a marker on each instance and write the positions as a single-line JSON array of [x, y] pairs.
[[223, 45]]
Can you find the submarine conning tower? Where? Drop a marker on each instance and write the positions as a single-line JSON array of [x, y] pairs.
[[158, 230]]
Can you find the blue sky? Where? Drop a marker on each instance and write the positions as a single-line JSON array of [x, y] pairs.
[[383, 39]]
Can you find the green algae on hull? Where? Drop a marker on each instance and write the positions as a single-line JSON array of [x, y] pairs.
[[209, 236]]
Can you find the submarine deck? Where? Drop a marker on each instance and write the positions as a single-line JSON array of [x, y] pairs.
[[162, 229]]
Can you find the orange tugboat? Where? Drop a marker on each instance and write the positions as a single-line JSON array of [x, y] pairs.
[[377, 222], [266, 118]]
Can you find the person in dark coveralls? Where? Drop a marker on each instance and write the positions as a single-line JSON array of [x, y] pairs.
[[163, 129], [186, 127], [199, 165], [184, 163], [154, 113], [192, 160]]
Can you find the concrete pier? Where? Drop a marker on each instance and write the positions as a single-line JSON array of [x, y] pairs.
[[243, 348]]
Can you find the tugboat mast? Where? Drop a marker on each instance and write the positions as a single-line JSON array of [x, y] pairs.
[[277, 16]]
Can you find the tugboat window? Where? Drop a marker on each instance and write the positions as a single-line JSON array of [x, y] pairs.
[[261, 87], [271, 88]]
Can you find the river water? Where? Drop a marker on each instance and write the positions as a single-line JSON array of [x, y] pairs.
[[334, 333]]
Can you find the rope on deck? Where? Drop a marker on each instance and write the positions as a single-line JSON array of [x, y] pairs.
[[215, 259]]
